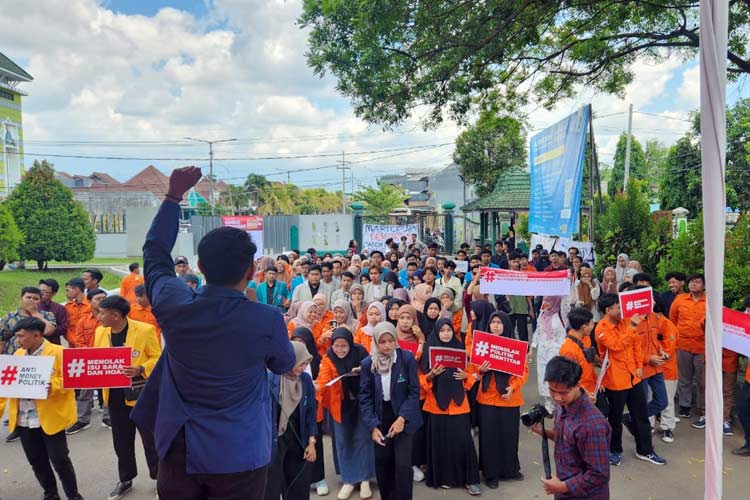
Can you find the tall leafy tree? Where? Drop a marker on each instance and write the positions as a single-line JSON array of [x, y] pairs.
[[391, 56], [55, 225], [681, 184], [10, 237], [381, 200], [738, 152], [638, 166], [491, 146]]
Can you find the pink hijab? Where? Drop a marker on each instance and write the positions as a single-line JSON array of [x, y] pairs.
[[422, 292], [369, 329]]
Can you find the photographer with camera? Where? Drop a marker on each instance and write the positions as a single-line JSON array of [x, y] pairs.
[[581, 435]]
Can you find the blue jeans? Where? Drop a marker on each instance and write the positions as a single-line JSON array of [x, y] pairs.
[[659, 394]]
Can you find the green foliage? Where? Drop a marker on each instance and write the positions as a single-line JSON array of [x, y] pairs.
[[381, 200], [279, 198], [391, 57], [681, 184], [491, 146], [10, 237], [738, 152], [55, 226], [522, 228], [638, 166]]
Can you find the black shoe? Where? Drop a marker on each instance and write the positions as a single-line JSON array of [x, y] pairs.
[[52, 496], [684, 412], [77, 427], [627, 422], [742, 452], [13, 436], [492, 484], [518, 477], [120, 490], [76, 497], [106, 423]]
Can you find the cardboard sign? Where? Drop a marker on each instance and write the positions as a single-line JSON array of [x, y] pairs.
[[375, 235], [462, 266], [25, 376], [96, 367], [412, 347], [736, 331], [503, 282], [504, 354], [447, 357], [634, 302]]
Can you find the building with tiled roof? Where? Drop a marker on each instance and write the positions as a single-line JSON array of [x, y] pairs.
[[11, 123]]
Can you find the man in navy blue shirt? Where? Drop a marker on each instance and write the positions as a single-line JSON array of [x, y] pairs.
[[207, 400]]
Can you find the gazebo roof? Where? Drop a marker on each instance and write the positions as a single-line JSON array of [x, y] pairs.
[[512, 192]]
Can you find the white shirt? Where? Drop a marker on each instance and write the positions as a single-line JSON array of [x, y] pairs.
[[385, 379]]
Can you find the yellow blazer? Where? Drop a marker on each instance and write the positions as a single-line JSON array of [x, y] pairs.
[[58, 411], [142, 339]]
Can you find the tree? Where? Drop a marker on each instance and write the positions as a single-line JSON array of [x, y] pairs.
[[381, 200], [55, 225], [318, 201], [681, 183], [10, 237], [738, 152], [656, 162], [391, 56], [236, 199], [638, 167], [490, 147]]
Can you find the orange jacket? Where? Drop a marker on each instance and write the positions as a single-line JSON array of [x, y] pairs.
[[430, 402], [128, 284], [492, 398], [458, 317], [75, 311], [145, 315], [83, 335], [363, 339], [730, 361], [570, 350], [625, 353], [689, 315], [648, 330], [329, 397], [468, 339]]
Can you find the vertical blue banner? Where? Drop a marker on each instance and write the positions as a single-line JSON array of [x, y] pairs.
[[556, 158]]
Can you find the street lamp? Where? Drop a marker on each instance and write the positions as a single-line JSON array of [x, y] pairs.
[[210, 166]]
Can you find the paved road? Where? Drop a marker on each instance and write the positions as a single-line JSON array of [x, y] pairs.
[[681, 478]]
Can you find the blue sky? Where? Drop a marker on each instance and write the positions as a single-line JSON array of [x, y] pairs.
[[132, 78]]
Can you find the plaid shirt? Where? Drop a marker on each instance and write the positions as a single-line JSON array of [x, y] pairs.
[[582, 450], [7, 323]]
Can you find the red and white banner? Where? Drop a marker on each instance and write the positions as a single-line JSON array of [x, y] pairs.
[[252, 224], [96, 367], [503, 282], [25, 376], [736, 326], [412, 347], [504, 354], [447, 357], [634, 302]]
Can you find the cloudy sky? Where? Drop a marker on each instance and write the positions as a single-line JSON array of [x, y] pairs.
[[133, 78]]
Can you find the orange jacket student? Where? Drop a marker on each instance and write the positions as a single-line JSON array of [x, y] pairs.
[[129, 282], [577, 346], [625, 354], [688, 314], [658, 336]]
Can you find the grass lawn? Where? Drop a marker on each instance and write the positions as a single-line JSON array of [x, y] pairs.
[[11, 283], [99, 260]]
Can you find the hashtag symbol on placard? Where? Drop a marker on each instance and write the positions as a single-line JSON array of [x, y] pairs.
[[482, 348], [629, 306], [439, 358], [75, 368], [8, 375]]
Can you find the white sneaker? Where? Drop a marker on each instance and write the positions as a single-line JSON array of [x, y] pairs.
[[364, 490], [321, 488], [418, 474], [345, 492]]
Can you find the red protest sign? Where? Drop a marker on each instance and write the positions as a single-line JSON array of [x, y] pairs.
[[447, 357], [412, 347], [95, 367], [634, 302], [504, 354]]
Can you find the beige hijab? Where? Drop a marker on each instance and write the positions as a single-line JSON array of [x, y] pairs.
[[382, 363], [291, 387]]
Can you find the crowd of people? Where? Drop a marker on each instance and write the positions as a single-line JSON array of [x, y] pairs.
[[335, 361]]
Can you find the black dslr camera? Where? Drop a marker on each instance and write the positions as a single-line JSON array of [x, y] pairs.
[[536, 414]]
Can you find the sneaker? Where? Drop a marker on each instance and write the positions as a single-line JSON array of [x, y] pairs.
[[728, 429], [321, 488], [668, 436], [492, 484], [615, 458], [700, 423], [345, 492], [742, 452], [121, 489], [13, 436], [418, 474], [77, 427], [627, 422], [653, 458], [106, 423], [677, 420], [364, 490], [473, 489], [684, 412]]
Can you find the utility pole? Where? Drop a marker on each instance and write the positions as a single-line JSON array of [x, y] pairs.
[[627, 148], [210, 167], [343, 169]]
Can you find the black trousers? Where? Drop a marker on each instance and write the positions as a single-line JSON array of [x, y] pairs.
[[289, 473], [42, 449], [393, 462], [123, 438], [175, 483], [636, 401], [520, 325]]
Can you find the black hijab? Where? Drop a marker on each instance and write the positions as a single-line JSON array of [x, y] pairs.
[[426, 324], [307, 337], [444, 386], [388, 306], [346, 364], [482, 310], [501, 379]]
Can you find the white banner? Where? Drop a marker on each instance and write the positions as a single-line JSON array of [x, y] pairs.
[[503, 282], [25, 376], [374, 235], [549, 243], [736, 334]]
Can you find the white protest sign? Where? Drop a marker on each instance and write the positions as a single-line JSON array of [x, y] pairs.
[[375, 235], [462, 266], [503, 282], [585, 248], [736, 331], [25, 376]]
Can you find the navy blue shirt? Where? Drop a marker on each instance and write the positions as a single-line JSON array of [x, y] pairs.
[[211, 378]]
